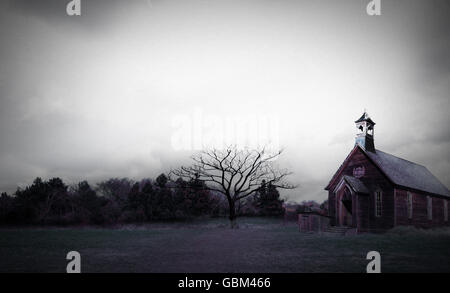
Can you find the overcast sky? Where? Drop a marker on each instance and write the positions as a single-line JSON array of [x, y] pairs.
[[102, 94]]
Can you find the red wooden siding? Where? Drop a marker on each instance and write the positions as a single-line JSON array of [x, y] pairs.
[[374, 180], [419, 210]]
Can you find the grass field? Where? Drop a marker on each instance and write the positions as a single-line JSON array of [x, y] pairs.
[[259, 245]]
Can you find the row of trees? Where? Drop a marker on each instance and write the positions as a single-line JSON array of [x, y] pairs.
[[243, 180], [125, 201]]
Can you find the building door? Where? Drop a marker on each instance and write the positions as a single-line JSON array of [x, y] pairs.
[[345, 208]]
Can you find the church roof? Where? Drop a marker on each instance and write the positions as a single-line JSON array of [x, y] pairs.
[[365, 117], [399, 171], [408, 174], [356, 184]]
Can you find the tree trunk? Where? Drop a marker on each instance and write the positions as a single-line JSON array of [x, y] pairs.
[[232, 212]]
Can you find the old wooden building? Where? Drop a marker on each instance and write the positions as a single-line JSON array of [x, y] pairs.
[[373, 191]]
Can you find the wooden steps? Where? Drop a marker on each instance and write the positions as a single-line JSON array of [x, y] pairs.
[[338, 230]]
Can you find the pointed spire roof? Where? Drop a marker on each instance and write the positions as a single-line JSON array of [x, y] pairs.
[[365, 117]]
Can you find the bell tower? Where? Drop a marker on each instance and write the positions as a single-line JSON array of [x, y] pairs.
[[365, 132]]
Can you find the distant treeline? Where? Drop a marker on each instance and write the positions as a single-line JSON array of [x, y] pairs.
[[116, 201]]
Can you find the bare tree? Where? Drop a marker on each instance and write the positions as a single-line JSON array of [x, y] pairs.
[[235, 173]]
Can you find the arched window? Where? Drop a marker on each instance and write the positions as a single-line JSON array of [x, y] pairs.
[[410, 205], [358, 172], [378, 203], [445, 210], [430, 207]]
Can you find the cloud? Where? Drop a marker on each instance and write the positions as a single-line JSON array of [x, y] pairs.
[[95, 96]]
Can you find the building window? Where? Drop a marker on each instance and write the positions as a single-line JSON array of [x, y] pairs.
[[378, 202], [358, 172], [430, 207], [445, 210], [410, 205]]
